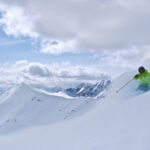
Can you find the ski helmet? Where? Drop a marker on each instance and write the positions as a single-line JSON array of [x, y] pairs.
[[141, 69]]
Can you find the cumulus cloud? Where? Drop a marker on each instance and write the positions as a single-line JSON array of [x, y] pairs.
[[94, 25], [82, 73], [38, 69], [15, 21], [50, 75]]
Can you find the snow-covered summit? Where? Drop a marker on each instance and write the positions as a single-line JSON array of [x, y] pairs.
[[89, 90]]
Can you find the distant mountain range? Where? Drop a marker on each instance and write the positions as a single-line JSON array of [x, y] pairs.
[[95, 90], [89, 90]]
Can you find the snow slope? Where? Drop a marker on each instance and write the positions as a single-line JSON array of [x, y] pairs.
[[23, 107], [118, 122]]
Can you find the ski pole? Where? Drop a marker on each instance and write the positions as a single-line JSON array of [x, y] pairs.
[[123, 86]]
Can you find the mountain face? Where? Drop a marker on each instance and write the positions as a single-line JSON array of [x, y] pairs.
[[23, 106], [96, 90], [89, 90]]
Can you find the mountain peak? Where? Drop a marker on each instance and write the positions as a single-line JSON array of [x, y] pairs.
[[88, 89]]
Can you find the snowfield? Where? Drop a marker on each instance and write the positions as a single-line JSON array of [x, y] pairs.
[[33, 120], [22, 107]]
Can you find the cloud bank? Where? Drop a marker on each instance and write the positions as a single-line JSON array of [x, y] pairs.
[[93, 25], [48, 75]]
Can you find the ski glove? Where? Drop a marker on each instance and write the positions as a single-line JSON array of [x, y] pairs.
[[136, 76]]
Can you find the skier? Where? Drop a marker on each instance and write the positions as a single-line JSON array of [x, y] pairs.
[[144, 79]]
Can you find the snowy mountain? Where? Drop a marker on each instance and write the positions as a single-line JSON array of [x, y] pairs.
[[95, 90], [88, 90], [23, 106], [39, 121]]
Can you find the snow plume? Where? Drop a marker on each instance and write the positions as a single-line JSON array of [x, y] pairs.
[[35, 73]]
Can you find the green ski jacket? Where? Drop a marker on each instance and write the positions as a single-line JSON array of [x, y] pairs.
[[144, 78]]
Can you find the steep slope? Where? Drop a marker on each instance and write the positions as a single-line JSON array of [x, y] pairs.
[[118, 122], [23, 107]]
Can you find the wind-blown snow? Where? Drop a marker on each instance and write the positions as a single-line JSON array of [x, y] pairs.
[[118, 122]]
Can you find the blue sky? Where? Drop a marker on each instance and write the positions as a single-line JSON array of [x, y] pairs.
[[14, 49], [22, 60]]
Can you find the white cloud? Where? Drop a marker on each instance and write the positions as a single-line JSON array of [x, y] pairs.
[[81, 73], [57, 47], [38, 69], [16, 22], [60, 75], [94, 25], [117, 62], [20, 63]]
